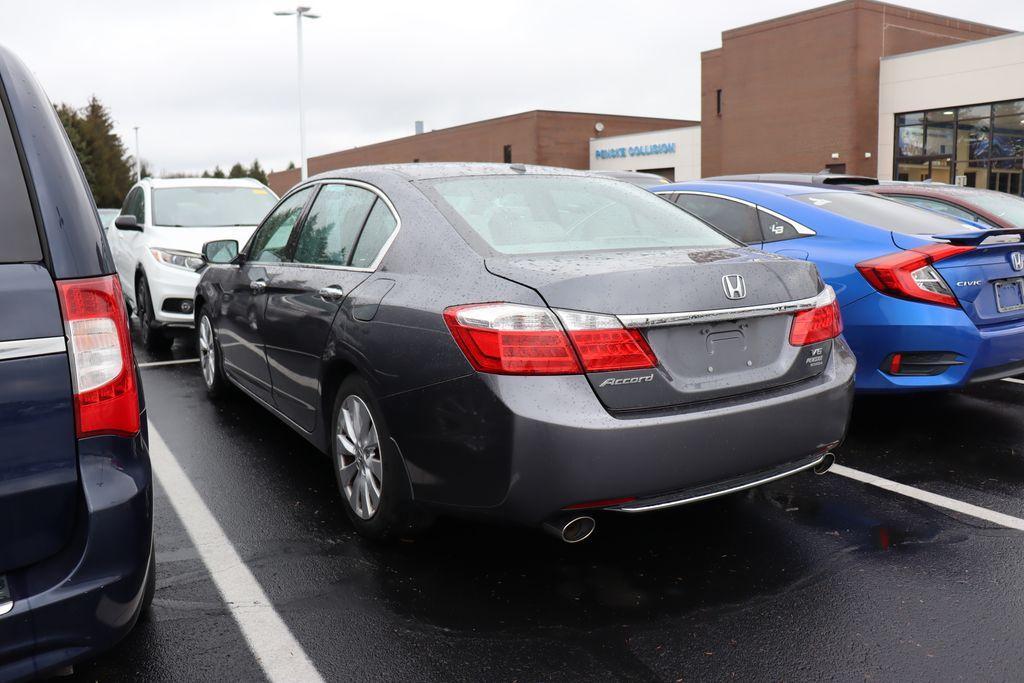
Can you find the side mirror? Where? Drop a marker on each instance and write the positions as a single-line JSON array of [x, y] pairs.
[[220, 251], [127, 222]]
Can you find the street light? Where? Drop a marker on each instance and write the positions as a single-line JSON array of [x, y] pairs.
[[138, 159], [300, 12]]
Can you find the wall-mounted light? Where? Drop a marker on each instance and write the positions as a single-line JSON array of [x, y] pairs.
[[867, 155], [835, 155], [599, 127]]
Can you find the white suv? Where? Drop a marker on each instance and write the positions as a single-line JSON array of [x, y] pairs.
[[160, 233]]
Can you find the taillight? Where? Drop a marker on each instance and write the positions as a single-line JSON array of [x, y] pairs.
[[100, 350], [816, 325], [910, 275], [515, 339]]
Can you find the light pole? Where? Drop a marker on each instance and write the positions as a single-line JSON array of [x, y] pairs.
[[138, 159], [300, 12]]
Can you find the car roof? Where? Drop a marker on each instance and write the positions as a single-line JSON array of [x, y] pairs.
[[452, 169], [201, 182], [742, 188]]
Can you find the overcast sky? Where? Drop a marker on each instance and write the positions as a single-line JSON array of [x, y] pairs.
[[212, 82]]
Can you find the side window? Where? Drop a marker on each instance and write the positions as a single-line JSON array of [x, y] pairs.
[[18, 226], [271, 240], [936, 205], [332, 226], [140, 206], [126, 208], [775, 229], [733, 218], [379, 227]]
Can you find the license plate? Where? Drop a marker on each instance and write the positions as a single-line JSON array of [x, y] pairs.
[[1010, 295]]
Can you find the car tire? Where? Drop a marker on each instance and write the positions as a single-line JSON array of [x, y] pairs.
[[370, 466], [152, 337], [210, 363]]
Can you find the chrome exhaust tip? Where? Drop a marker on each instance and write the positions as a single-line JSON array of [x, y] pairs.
[[826, 463], [571, 528]]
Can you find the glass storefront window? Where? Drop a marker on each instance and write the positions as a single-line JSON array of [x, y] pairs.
[[976, 145], [1008, 136], [980, 112], [939, 139], [907, 119], [911, 141]]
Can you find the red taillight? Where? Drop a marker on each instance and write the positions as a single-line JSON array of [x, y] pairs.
[[816, 325], [514, 339], [100, 350], [909, 274]]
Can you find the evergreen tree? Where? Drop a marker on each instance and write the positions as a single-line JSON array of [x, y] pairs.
[[217, 173], [108, 168], [237, 171], [256, 171]]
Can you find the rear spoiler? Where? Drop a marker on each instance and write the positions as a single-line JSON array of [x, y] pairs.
[[975, 238]]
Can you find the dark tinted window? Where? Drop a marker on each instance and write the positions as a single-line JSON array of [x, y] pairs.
[[271, 241], [135, 205], [775, 229], [19, 241], [738, 220], [379, 227], [884, 213], [333, 224]]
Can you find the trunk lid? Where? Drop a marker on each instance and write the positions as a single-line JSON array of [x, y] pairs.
[[720, 355], [38, 447], [988, 280]]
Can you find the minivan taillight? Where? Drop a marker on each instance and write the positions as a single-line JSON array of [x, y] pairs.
[[100, 350], [909, 274], [515, 339]]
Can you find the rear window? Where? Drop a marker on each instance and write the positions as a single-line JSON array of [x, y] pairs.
[[1006, 206], [211, 207], [19, 240], [536, 214], [885, 213]]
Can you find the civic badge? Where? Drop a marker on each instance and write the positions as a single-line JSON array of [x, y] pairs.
[[734, 286], [1017, 260]]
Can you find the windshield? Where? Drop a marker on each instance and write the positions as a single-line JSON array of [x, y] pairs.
[[534, 214], [1005, 206], [210, 207], [885, 213]]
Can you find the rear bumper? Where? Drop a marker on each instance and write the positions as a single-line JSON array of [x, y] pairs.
[[523, 448], [878, 325], [87, 597]]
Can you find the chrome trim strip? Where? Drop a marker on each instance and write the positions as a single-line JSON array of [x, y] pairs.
[[27, 348], [6, 607], [823, 298], [684, 500]]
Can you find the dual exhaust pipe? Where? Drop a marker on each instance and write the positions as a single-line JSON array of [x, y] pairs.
[[574, 528]]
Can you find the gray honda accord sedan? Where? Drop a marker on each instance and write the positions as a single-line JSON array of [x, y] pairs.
[[522, 343]]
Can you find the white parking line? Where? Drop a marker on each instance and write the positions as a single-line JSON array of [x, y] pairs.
[[168, 362], [275, 648], [1014, 380], [930, 498]]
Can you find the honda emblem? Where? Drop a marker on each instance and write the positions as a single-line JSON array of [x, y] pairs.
[[1017, 260], [734, 287]]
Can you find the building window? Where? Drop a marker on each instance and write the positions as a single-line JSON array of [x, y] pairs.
[[977, 146], [507, 152], [718, 101]]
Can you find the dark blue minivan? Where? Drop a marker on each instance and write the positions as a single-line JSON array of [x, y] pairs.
[[76, 495]]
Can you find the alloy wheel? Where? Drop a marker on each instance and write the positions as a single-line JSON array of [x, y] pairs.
[[207, 351], [358, 457]]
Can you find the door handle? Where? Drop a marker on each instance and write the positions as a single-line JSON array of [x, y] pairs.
[[331, 293], [258, 285]]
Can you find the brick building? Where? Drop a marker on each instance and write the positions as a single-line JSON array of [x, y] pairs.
[[800, 92], [552, 138]]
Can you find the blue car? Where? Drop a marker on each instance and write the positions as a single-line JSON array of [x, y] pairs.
[[76, 496], [928, 301]]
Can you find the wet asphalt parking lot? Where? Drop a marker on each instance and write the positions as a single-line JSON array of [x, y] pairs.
[[260, 574]]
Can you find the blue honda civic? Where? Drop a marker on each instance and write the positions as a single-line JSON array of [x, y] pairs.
[[928, 301], [76, 498]]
